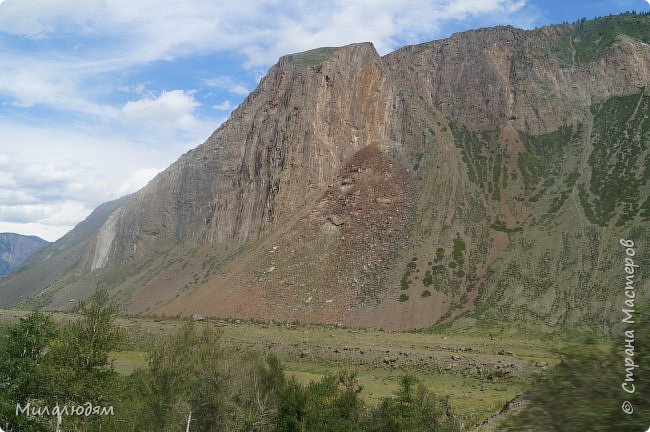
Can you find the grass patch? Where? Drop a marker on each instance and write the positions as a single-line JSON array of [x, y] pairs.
[[125, 362], [312, 57]]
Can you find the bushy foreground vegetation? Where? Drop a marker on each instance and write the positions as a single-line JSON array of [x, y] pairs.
[[585, 391], [190, 377]]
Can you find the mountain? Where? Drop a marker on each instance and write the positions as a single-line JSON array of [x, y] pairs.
[[489, 175], [15, 249]]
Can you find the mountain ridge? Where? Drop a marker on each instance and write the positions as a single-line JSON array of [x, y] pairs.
[[460, 176]]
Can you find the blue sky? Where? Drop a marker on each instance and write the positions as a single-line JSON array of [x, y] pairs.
[[97, 96]]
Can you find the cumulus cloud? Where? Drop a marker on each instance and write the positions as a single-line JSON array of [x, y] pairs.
[[171, 109]]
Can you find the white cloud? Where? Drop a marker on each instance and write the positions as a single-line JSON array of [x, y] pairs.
[[227, 83], [34, 80], [49, 221], [223, 106], [145, 31], [52, 177], [39, 18], [173, 109], [137, 180], [386, 23], [47, 232], [66, 213], [24, 213], [118, 35], [60, 214]]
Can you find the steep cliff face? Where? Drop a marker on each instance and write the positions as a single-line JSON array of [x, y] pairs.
[[491, 173], [287, 139], [494, 77], [15, 249]]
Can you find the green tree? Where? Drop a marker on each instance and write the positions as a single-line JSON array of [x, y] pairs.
[[22, 355], [79, 366], [77, 370], [413, 409], [333, 404], [185, 375], [292, 407]]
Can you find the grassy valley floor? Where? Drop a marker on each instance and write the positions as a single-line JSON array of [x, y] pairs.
[[480, 371]]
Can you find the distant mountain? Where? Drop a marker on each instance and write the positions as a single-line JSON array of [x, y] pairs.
[[491, 174], [15, 249]]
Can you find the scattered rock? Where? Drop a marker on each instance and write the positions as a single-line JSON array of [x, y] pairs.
[[335, 220]]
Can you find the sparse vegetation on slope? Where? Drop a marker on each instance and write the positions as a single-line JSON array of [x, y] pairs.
[[590, 39], [620, 160]]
